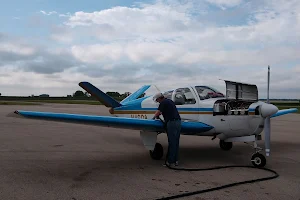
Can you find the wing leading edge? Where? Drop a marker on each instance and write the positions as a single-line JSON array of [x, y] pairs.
[[117, 122], [284, 112]]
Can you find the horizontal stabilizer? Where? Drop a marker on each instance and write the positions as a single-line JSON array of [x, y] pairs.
[[99, 95], [117, 122], [136, 94], [285, 111]]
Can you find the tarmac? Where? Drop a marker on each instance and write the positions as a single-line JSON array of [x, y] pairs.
[[56, 160]]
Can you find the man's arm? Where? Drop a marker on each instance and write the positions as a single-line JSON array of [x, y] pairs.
[[157, 113]]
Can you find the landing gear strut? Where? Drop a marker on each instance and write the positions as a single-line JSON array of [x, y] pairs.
[[158, 152], [257, 159]]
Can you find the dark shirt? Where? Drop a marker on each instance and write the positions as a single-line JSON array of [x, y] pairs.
[[169, 110]]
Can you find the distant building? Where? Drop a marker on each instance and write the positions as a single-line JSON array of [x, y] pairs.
[[44, 95]]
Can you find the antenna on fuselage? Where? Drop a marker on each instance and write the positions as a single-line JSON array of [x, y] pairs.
[[158, 90]]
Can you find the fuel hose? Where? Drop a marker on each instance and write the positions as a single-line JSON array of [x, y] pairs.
[[275, 175]]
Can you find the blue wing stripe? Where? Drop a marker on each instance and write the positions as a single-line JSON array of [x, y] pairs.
[[284, 112], [130, 123]]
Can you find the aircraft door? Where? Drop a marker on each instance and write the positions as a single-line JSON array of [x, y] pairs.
[[186, 103]]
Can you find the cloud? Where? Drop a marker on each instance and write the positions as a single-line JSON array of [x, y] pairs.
[[16, 49], [27, 57], [170, 43], [225, 3], [61, 34], [97, 53], [48, 13]]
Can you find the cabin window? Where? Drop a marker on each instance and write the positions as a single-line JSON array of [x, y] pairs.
[[207, 93], [183, 96]]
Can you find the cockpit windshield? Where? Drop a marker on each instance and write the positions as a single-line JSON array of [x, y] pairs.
[[205, 92]]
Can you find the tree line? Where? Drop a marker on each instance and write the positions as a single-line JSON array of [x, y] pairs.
[[115, 95]]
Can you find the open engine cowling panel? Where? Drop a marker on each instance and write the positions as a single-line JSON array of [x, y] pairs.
[[239, 96]]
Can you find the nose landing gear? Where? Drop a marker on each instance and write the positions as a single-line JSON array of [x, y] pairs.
[[257, 159]]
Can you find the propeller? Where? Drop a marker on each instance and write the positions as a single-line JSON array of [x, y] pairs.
[[267, 120]]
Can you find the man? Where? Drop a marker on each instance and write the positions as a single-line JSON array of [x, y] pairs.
[[173, 124]]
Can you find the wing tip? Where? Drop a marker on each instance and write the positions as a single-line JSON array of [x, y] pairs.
[[15, 113]]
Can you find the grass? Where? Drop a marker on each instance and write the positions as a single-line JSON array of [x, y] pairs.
[[40, 102], [88, 102], [18, 103], [286, 107]]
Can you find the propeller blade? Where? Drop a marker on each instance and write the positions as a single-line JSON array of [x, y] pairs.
[[267, 136], [267, 121]]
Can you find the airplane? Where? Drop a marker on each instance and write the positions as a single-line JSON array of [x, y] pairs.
[[238, 116]]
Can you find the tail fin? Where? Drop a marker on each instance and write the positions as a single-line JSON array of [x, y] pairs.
[[99, 95], [136, 94]]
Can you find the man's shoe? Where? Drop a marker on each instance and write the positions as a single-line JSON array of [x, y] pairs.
[[169, 164]]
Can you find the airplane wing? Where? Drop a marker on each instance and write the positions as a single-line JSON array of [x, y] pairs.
[[117, 122], [284, 112]]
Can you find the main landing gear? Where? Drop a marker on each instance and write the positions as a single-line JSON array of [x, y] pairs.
[[226, 146], [158, 152]]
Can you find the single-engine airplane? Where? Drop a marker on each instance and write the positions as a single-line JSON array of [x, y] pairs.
[[238, 116]]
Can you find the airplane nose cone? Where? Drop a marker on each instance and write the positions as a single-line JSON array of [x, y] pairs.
[[268, 110]]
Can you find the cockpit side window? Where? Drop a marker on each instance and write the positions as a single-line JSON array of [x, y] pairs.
[[183, 96], [207, 93]]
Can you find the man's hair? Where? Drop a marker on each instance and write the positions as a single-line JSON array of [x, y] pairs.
[[158, 96]]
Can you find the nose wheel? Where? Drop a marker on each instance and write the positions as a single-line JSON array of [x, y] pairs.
[[258, 160]]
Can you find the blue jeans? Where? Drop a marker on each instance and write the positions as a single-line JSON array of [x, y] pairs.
[[173, 128]]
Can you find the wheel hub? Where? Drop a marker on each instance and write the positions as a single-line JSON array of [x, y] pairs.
[[257, 161]]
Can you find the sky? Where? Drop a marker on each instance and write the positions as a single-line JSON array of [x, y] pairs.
[[48, 47]]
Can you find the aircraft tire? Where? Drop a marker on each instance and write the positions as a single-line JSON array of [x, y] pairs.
[[258, 160], [226, 146], [158, 152]]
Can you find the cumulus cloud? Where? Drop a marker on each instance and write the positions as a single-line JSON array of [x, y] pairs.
[[27, 57], [225, 3], [169, 40], [143, 33], [48, 13], [61, 34]]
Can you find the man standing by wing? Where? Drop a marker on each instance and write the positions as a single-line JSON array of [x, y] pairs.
[[173, 124]]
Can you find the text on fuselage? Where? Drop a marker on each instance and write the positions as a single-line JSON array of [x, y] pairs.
[[139, 116]]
